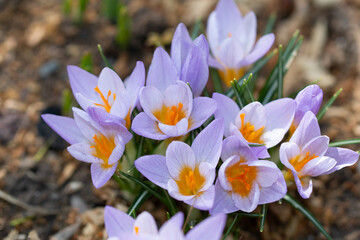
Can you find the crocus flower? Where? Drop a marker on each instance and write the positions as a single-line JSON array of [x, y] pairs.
[[169, 107], [308, 154], [187, 172], [107, 92], [95, 138], [190, 59], [308, 99], [232, 38], [255, 123], [121, 226], [244, 181]]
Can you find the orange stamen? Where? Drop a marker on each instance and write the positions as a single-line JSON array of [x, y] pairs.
[[248, 131], [241, 177], [106, 105], [190, 181], [103, 148], [229, 74], [300, 161], [170, 115], [136, 230]]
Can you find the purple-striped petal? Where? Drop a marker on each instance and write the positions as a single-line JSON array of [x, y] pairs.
[[179, 93], [85, 124], [249, 202], [209, 229], [304, 186], [144, 126], [344, 157], [235, 146], [288, 150], [273, 193], [317, 146], [180, 46], [110, 81], [181, 128], [306, 131], [100, 175], [231, 53], [317, 166], [249, 27], [223, 202], [146, 224], [203, 108], [226, 109], [174, 192], [172, 229], [154, 168], [204, 200], [135, 82], [262, 46], [83, 152], [151, 100], [178, 156], [266, 172], [117, 222]]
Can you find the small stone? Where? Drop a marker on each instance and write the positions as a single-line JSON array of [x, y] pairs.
[[48, 69]]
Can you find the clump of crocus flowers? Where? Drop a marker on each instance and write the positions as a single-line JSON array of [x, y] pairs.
[[187, 134]]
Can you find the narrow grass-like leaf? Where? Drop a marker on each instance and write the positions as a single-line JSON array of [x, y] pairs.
[[86, 63], [236, 89], [105, 60], [246, 86], [145, 186], [244, 214], [216, 80], [307, 214], [197, 29], [280, 74], [328, 104], [264, 209], [138, 202], [345, 142], [270, 24], [140, 148], [230, 227], [170, 203]]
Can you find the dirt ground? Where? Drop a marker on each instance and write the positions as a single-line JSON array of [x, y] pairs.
[[37, 41]]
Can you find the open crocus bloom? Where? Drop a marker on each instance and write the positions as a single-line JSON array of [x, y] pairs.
[[121, 226], [308, 154], [107, 92], [244, 181], [255, 123], [190, 59], [232, 40], [308, 99], [187, 172], [95, 138]]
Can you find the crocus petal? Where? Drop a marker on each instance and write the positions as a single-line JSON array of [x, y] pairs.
[[209, 229], [178, 156], [308, 99], [262, 46], [344, 157], [234, 145], [255, 114], [172, 229], [173, 189], [288, 150], [223, 202], [207, 144], [65, 127], [82, 152], [207, 171], [118, 151], [307, 130], [84, 102], [260, 152], [247, 203], [279, 115], [82, 82], [151, 100], [226, 109], [146, 224], [215, 64], [266, 172], [203, 108], [134, 82], [84, 123], [213, 37], [162, 71], [273, 193], [117, 222], [317, 146], [181, 128], [204, 200], [176, 221], [122, 105], [109, 80], [249, 27], [154, 168], [225, 184], [317, 166], [304, 186], [179, 93], [145, 126], [100, 175], [196, 70], [231, 53], [180, 46]]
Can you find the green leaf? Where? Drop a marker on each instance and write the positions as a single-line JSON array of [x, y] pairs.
[[123, 25], [170, 203], [145, 186], [280, 74], [243, 214], [138, 202], [328, 104], [86, 63], [270, 24], [216, 80], [236, 88], [264, 209], [345, 142], [105, 60], [197, 29], [231, 226], [307, 214], [246, 84]]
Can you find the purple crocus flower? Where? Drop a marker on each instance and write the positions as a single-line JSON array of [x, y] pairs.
[[232, 40], [169, 107], [308, 99], [95, 138], [255, 123], [187, 172], [121, 226], [108, 92], [190, 59], [244, 181], [308, 154]]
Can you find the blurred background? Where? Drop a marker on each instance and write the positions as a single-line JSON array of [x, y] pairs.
[[45, 194]]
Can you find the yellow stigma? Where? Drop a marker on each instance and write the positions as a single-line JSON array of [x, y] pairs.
[[248, 131], [106, 105], [103, 147], [170, 115], [299, 161], [190, 181], [241, 178], [229, 74], [136, 228]]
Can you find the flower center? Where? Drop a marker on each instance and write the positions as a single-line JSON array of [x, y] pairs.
[[241, 178], [229, 74], [170, 115], [299, 161], [190, 181], [248, 131], [103, 147], [106, 105]]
